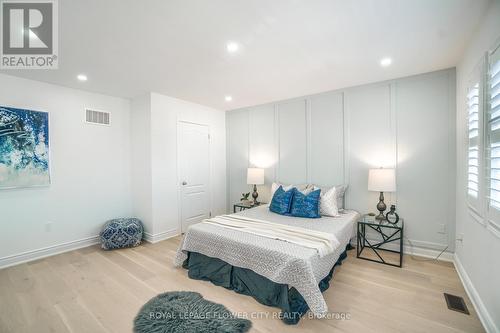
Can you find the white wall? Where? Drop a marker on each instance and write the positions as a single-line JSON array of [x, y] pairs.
[[335, 137], [90, 171], [477, 255], [102, 172], [159, 205], [141, 161]]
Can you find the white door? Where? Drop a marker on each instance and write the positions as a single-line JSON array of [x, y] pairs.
[[194, 172]]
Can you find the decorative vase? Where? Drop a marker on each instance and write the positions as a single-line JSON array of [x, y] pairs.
[[392, 217]]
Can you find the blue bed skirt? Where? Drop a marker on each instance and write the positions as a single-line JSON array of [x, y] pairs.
[[247, 282]]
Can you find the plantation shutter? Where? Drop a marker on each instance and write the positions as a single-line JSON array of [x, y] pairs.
[[493, 139], [475, 147]]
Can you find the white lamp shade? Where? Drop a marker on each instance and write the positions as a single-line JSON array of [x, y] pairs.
[[382, 180], [255, 176]]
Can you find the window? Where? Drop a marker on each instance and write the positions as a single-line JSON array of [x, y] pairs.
[[493, 127], [483, 149], [473, 150], [475, 147]]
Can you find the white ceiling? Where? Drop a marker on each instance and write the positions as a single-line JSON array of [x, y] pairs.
[[289, 48]]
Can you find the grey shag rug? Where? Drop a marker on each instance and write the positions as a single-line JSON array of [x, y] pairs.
[[185, 311]]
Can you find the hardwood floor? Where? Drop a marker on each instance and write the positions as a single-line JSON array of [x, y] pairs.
[[90, 290]]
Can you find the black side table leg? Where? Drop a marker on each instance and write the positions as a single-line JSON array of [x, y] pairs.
[[401, 242]]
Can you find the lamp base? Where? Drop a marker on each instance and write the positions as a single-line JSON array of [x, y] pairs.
[[255, 195], [381, 207]]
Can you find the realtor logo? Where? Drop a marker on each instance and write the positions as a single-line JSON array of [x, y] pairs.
[[29, 34]]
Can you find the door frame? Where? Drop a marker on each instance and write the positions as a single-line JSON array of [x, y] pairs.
[[179, 180]]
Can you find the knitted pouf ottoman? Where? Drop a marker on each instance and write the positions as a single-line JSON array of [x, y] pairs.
[[120, 233]]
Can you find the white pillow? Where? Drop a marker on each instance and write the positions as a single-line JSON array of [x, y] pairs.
[[328, 201], [276, 186], [340, 195], [304, 189]]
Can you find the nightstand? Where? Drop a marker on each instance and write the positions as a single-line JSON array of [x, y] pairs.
[[386, 233], [242, 206]]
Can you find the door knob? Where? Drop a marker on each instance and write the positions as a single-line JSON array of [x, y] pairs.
[[184, 183]]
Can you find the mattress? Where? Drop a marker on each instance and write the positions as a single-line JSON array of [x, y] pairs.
[[342, 226], [279, 261]]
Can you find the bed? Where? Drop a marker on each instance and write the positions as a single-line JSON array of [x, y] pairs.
[[274, 272]]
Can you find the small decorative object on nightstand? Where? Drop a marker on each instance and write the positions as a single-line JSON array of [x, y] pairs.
[[255, 176], [384, 234], [392, 217], [244, 198], [381, 180], [242, 206]]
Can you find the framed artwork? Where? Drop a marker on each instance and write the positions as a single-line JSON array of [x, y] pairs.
[[24, 148]]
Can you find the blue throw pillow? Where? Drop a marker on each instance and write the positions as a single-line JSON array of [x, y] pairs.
[[280, 204], [306, 205]]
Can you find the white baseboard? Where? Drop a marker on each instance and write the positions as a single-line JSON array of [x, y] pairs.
[[150, 238], [482, 312], [428, 253], [419, 248], [47, 251]]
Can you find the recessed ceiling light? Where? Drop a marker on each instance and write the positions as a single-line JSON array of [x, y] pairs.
[[82, 77], [228, 98], [385, 62], [232, 47]]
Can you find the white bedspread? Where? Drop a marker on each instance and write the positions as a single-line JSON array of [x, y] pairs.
[[280, 261], [323, 242]]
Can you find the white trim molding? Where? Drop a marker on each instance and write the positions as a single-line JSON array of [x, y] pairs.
[[494, 228], [419, 248], [476, 216], [150, 238], [482, 312], [48, 251], [429, 253]]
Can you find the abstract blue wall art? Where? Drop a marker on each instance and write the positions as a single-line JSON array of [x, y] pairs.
[[24, 148]]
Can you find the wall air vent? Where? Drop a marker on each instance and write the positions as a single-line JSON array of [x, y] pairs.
[[97, 117]]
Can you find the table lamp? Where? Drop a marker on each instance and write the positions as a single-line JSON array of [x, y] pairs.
[[255, 176], [381, 180]]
